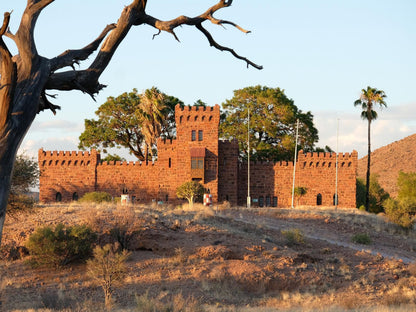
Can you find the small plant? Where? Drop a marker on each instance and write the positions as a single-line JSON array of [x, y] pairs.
[[60, 245], [293, 237], [361, 238], [190, 190], [96, 197], [299, 192], [108, 267]]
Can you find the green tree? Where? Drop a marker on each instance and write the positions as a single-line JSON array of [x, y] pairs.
[[131, 120], [370, 98], [299, 192], [190, 190], [377, 194], [272, 123], [25, 175], [403, 209], [108, 267]]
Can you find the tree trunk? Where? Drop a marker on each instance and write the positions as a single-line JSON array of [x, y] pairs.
[[367, 187]]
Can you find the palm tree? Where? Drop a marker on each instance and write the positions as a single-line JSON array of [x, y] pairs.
[[152, 106], [368, 99]]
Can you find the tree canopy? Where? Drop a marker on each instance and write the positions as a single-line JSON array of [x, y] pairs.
[[272, 123], [133, 121]]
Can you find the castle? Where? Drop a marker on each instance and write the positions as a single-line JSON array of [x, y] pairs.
[[198, 154]]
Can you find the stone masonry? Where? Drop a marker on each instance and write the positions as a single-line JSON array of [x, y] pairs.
[[198, 154]]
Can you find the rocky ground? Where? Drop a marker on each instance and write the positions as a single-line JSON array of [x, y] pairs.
[[220, 259]]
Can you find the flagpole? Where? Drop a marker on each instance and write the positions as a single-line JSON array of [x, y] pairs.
[[294, 162]]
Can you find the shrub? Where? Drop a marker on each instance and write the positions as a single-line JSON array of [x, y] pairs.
[[96, 197], [361, 238], [108, 267], [377, 194], [61, 245], [190, 190], [401, 211], [293, 237]]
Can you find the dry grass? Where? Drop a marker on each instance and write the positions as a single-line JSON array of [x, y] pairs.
[[213, 259]]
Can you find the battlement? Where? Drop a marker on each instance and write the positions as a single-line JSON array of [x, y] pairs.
[[198, 114], [314, 156], [49, 158], [126, 163]]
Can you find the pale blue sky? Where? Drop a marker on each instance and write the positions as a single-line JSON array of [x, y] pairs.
[[322, 53]]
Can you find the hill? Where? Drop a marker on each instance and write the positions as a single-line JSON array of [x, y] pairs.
[[389, 160]]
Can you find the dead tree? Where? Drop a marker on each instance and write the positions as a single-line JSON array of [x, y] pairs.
[[26, 77]]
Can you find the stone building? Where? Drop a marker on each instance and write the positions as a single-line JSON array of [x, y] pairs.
[[197, 153]]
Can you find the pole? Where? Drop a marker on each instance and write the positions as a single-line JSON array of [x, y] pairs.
[[248, 160], [294, 162], [336, 170]]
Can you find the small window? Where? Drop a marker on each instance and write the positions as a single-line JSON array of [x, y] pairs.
[[210, 118], [335, 199], [76, 162], [180, 119], [196, 118], [75, 196], [227, 198], [261, 201], [58, 197], [203, 118], [63, 162], [197, 163], [69, 162], [319, 199], [170, 162], [268, 203], [193, 137], [274, 204], [167, 198], [187, 118], [200, 135]]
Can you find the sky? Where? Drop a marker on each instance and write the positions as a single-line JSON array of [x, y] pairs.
[[321, 53]]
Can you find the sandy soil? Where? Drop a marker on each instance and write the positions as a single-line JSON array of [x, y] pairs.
[[221, 259]]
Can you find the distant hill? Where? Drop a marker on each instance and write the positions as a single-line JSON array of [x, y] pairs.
[[388, 160]]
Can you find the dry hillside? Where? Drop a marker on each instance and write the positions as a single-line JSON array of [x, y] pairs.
[[389, 160], [220, 260]]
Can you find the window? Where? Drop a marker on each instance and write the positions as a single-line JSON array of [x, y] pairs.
[[268, 203], [274, 204], [193, 137], [58, 197], [261, 201], [166, 198], [170, 162], [319, 199], [75, 196], [197, 163], [200, 135]]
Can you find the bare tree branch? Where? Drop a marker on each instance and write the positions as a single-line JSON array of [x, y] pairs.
[[71, 57]]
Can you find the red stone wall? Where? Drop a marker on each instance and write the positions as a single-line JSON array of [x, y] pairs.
[[226, 178], [315, 171]]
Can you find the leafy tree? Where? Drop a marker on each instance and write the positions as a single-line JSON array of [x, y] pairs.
[[402, 210], [108, 267], [377, 194], [131, 120], [114, 157], [299, 192], [272, 123], [26, 78], [25, 176], [369, 98], [190, 190]]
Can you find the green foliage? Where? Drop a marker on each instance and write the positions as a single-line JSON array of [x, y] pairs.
[[96, 197], [114, 157], [60, 245], [299, 192], [122, 121], [25, 175], [377, 194], [368, 98], [293, 237], [272, 123], [190, 190], [108, 267], [361, 238], [403, 209]]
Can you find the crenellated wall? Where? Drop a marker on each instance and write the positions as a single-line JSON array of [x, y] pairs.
[[68, 175]]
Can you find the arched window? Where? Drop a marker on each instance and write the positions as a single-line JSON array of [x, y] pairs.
[[196, 118], [180, 119], [75, 196], [319, 199], [210, 118], [203, 118], [58, 197]]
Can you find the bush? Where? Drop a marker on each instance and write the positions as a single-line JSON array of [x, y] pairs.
[[293, 237], [361, 238], [401, 211], [61, 245], [377, 194], [96, 197]]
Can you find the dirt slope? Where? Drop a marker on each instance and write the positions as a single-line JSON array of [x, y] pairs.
[[389, 160]]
